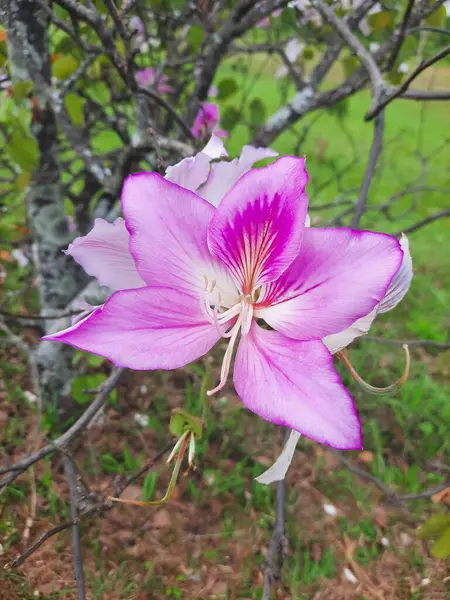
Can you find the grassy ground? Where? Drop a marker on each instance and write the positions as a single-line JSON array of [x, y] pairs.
[[210, 540]]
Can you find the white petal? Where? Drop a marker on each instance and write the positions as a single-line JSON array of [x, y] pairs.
[[223, 175], [338, 341], [215, 148], [278, 470], [401, 282], [191, 172]]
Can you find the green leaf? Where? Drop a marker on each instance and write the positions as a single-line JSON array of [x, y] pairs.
[[229, 118], [340, 109], [195, 37], [226, 88], [21, 89], [257, 112], [23, 150], [437, 18], [86, 382], [149, 486], [426, 427], [74, 106], [308, 53], [380, 20], [441, 547], [433, 527], [182, 421], [64, 66], [100, 93], [350, 64]]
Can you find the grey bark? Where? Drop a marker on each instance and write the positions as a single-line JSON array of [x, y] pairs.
[[59, 278]]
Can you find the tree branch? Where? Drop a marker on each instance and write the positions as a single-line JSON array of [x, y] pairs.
[[439, 215], [375, 152]]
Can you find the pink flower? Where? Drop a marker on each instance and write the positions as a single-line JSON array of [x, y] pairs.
[[265, 22], [146, 78], [202, 273], [207, 121]]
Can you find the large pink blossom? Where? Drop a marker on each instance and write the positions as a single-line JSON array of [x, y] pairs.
[[207, 121], [201, 273]]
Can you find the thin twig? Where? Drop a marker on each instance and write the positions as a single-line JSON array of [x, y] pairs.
[[375, 110], [72, 480], [375, 152], [439, 215], [401, 36], [99, 507], [278, 544], [64, 440], [430, 343]]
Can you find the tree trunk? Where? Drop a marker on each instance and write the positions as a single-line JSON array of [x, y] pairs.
[[59, 277]]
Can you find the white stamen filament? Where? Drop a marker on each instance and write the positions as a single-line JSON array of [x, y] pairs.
[[227, 357], [191, 451]]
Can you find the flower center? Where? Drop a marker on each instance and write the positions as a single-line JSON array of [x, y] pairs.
[[239, 316]]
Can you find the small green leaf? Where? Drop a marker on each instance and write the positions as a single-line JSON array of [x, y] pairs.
[[380, 20], [426, 427], [226, 87], [433, 527], [350, 64], [308, 53], [64, 66], [229, 118], [23, 150], [149, 486], [21, 89], [441, 547], [437, 18], [182, 421], [195, 37], [100, 93], [257, 112], [176, 425], [74, 106], [86, 382]]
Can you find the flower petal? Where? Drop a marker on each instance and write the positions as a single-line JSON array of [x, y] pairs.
[[104, 253], [258, 228], [215, 147], [148, 328], [278, 470], [401, 281], [168, 226], [338, 341], [339, 276], [191, 172], [294, 384], [223, 175]]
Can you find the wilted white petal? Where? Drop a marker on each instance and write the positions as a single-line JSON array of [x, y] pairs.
[[338, 341], [308, 221], [401, 282], [348, 575], [279, 468], [20, 257], [141, 419]]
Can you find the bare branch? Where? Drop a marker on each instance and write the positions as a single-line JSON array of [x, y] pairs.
[[401, 37], [64, 440], [431, 219], [377, 82], [375, 152], [72, 480], [411, 343], [374, 111]]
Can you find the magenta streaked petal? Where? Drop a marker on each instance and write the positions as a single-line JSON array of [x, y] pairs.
[[168, 227], [339, 276], [223, 175], [206, 120], [104, 253], [294, 384], [148, 328], [257, 229]]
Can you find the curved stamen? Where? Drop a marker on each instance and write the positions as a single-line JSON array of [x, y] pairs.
[[385, 391], [227, 358]]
